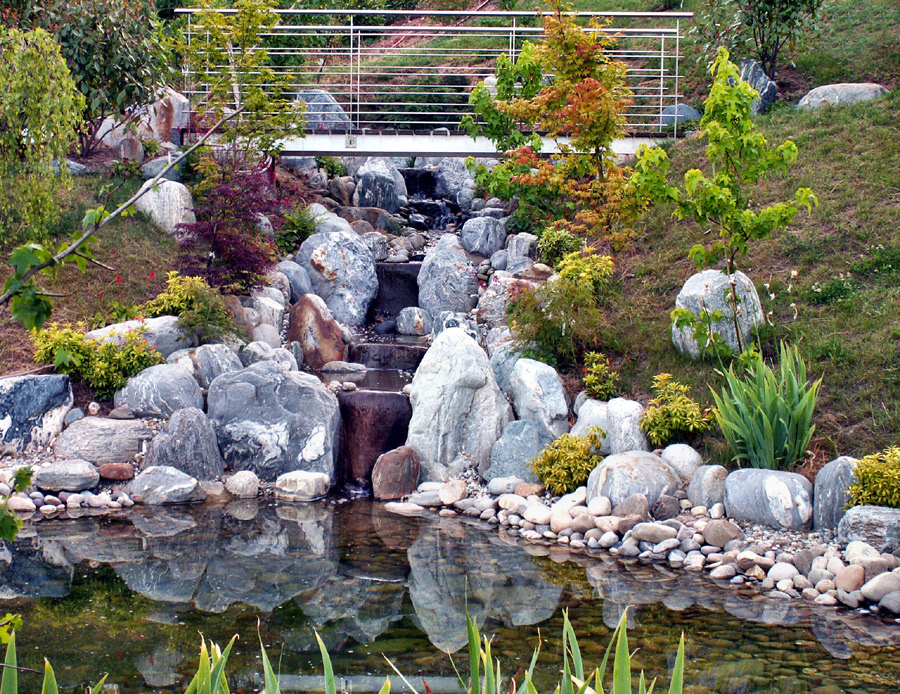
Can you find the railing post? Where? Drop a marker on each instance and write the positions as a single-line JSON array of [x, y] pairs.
[[677, 76], [662, 78]]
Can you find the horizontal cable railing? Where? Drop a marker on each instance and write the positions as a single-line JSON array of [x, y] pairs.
[[414, 70]]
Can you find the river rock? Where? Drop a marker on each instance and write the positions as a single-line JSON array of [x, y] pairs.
[[846, 93], [207, 362], [413, 320], [66, 475], [342, 271], [319, 334], [483, 236], [162, 333], [683, 459], [20, 504], [168, 204], [447, 279], [165, 485], [298, 278], [188, 444], [769, 497], [704, 293], [653, 532], [621, 475], [831, 496], [119, 472], [396, 474], [301, 485], [99, 440], [243, 484], [879, 526], [272, 421], [707, 486], [159, 391], [880, 586], [34, 409], [752, 73], [458, 409], [623, 420], [521, 442], [719, 533], [538, 396]]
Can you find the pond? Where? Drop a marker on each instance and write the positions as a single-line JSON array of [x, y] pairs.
[[130, 596]]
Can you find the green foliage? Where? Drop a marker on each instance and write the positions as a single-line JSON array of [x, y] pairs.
[[766, 416], [40, 113], [877, 480], [105, 367], [201, 310], [739, 157], [673, 415], [9, 528], [882, 262], [333, 166], [565, 464], [835, 290], [9, 684], [299, 224], [709, 340], [555, 242], [600, 381], [588, 268], [151, 148]]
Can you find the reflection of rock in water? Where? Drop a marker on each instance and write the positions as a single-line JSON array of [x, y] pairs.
[[160, 668], [464, 567], [34, 571]]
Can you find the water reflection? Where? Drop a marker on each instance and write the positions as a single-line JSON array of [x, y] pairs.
[[376, 584]]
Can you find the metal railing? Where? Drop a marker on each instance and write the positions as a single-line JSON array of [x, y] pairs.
[[414, 70]]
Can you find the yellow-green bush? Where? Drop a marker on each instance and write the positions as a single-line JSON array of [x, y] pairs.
[[565, 464], [600, 381], [200, 308], [673, 414], [877, 480]]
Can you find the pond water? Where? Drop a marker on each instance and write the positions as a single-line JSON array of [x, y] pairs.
[[130, 596]]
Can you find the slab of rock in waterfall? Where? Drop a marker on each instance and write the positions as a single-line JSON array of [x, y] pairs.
[[538, 396], [318, 333], [830, 494], [455, 182], [683, 459], [521, 442], [33, 409], [396, 474], [483, 236], [272, 421], [707, 485], [493, 304], [413, 320], [159, 391], [622, 475], [752, 73], [66, 476], [878, 526], [165, 485], [458, 409], [447, 279], [99, 440], [297, 277], [189, 444], [705, 293], [322, 112], [372, 422], [262, 351], [168, 204], [769, 497], [342, 270], [207, 362], [836, 94], [593, 413], [162, 333], [623, 420], [301, 485]]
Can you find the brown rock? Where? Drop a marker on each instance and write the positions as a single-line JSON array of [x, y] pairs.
[[116, 471], [238, 315], [634, 505], [526, 489], [627, 523], [582, 523], [361, 226], [131, 149], [453, 491], [396, 474], [341, 190], [318, 333], [871, 566], [372, 422], [718, 533], [215, 492], [381, 220]]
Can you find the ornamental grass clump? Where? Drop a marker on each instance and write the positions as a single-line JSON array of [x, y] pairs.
[[765, 415], [877, 480]]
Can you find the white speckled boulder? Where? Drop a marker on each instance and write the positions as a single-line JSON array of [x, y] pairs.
[[769, 497]]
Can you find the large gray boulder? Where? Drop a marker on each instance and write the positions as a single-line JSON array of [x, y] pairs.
[[159, 391], [161, 333], [521, 442], [379, 184], [878, 526], [623, 421], [538, 396], [342, 270], [207, 362], [830, 496], [66, 476], [271, 421], [454, 181], [32, 410], [752, 73], [323, 112], [846, 93], [99, 440], [458, 411], [707, 486], [705, 293], [297, 277], [622, 475], [769, 497], [483, 236], [188, 444], [168, 204], [165, 485], [447, 278]]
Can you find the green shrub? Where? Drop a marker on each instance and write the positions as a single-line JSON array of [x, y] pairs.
[[877, 480], [565, 464], [332, 165], [299, 224], [833, 291], [600, 381], [673, 415], [587, 267], [104, 367], [766, 416], [200, 308], [555, 242]]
